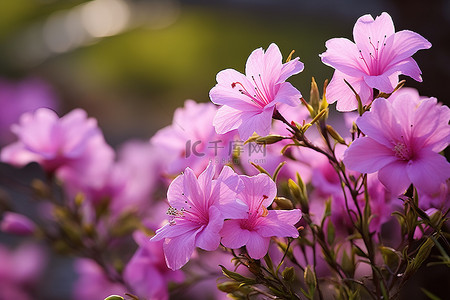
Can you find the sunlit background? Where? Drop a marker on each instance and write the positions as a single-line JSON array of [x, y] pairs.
[[130, 63]]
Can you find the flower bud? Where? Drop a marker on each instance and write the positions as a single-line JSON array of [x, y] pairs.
[[228, 286], [270, 139], [288, 274], [335, 135], [17, 224], [310, 277], [283, 203], [314, 95]]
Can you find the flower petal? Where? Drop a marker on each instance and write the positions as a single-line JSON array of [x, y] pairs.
[[370, 34], [233, 236], [259, 122], [394, 177], [292, 67], [428, 171], [385, 82], [287, 94], [209, 238], [380, 123], [343, 55], [279, 223], [338, 90], [257, 245], [223, 92], [366, 155], [178, 250], [401, 45]]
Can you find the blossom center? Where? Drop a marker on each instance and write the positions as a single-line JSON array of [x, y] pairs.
[[254, 215], [259, 95], [372, 60], [402, 151]]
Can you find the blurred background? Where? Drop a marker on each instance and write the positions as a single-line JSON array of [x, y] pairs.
[[130, 63]]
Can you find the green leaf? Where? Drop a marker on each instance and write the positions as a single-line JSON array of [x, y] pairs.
[[430, 295]]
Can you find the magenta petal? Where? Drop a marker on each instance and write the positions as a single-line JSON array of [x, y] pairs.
[[385, 82], [228, 119], [175, 193], [342, 54], [209, 238], [294, 66], [288, 94], [280, 223], [338, 90], [377, 30], [170, 231], [260, 123], [380, 123], [223, 92], [178, 250], [366, 155], [257, 245], [256, 188], [233, 236], [407, 67], [394, 177], [404, 44], [205, 179], [428, 171]]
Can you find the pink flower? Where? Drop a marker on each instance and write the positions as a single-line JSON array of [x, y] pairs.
[[198, 207], [191, 140], [20, 271], [404, 136], [17, 224], [376, 59], [146, 272], [93, 283], [17, 98], [69, 144], [260, 224], [248, 101]]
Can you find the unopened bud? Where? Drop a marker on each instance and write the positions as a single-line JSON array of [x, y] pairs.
[[283, 203], [228, 286], [314, 95], [17, 224], [270, 139], [335, 135], [288, 274], [310, 277], [114, 297]]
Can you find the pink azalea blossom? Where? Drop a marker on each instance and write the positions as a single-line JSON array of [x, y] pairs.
[[248, 101], [146, 273], [404, 136], [376, 59], [260, 224], [19, 97], [93, 283], [198, 207], [20, 271], [15, 223], [72, 143], [191, 141]]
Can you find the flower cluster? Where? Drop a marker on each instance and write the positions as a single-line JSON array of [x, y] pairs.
[[289, 202]]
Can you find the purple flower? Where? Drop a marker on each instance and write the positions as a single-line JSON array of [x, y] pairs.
[[404, 136], [198, 207], [260, 224], [17, 224], [147, 273], [248, 101], [192, 141], [93, 282], [72, 143], [376, 59], [20, 271], [17, 98]]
